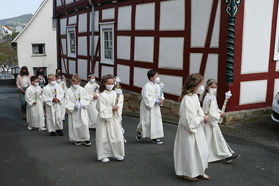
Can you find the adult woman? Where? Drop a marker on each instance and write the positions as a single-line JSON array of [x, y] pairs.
[[23, 82], [41, 77]]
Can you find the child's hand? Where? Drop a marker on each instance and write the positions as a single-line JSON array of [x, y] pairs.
[[35, 103], [115, 108], [55, 100], [206, 119], [223, 114], [161, 102], [95, 97]]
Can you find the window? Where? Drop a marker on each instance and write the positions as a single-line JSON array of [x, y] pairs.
[[107, 44], [276, 48], [38, 49], [71, 40]]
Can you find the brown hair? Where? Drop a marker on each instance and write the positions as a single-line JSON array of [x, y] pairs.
[[209, 82], [33, 78], [104, 81], [76, 78], [22, 69], [190, 84]]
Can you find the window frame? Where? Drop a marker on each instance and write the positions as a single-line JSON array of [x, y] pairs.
[[38, 54], [104, 27], [68, 30]]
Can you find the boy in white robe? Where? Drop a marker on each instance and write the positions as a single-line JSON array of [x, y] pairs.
[[151, 125], [218, 148], [92, 89], [34, 102], [65, 89], [109, 136], [53, 95], [190, 147], [77, 101]]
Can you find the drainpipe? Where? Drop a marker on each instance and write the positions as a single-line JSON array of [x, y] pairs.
[[92, 29]]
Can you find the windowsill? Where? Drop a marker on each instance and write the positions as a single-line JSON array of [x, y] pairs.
[[38, 55], [107, 62]]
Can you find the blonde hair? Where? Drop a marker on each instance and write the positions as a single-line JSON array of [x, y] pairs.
[[190, 84], [76, 78], [50, 76]]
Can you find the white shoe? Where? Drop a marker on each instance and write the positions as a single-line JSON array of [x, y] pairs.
[[29, 127], [105, 160], [41, 129], [120, 158]]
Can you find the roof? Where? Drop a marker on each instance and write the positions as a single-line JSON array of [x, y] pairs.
[[31, 20]]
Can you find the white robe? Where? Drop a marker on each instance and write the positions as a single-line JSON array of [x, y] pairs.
[[92, 89], [150, 125], [77, 118], [190, 147], [53, 110], [65, 89], [35, 113], [218, 149], [109, 137]]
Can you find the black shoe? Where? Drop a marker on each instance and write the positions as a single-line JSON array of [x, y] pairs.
[[157, 141], [60, 132], [233, 157], [53, 133], [87, 143], [138, 136]]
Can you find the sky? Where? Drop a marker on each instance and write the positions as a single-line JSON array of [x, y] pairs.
[[14, 8]]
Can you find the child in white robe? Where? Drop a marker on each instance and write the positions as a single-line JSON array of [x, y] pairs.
[[53, 96], [92, 89], [151, 125], [109, 136], [35, 111], [190, 147], [65, 89], [218, 149], [77, 101]]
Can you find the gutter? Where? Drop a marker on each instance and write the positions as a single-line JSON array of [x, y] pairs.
[[92, 29]]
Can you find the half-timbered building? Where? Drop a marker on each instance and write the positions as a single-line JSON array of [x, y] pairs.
[[232, 41]]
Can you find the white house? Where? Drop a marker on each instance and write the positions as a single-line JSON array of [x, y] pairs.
[[6, 31], [36, 44]]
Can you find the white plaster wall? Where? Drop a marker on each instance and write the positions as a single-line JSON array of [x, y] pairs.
[[95, 44], [124, 18], [277, 66], [63, 67], [123, 72], [173, 84], [144, 49], [108, 13], [276, 87], [97, 69], [63, 25], [172, 15], [252, 92], [47, 35], [171, 52], [96, 23], [256, 36], [216, 29], [72, 67], [145, 16], [140, 76], [211, 69], [69, 1], [107, 70], [82, 46], [195, 62], [123, 47], [58, 3], [72, 20], [82, 25], [82, 68], [200, 17], [64, 46]]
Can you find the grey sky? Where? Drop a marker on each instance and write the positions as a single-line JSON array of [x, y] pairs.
[[13, 8]]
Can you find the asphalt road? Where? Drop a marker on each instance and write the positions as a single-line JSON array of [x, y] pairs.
[[35, 158]]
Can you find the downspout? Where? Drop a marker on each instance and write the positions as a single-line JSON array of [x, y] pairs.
[[92, 29]]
